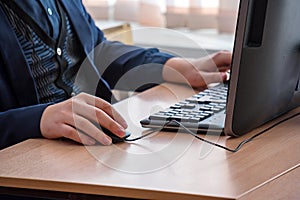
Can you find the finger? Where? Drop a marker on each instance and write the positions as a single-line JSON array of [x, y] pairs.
[[82, 124], [213, 77], [99, 117], [224, 69], [222, 59], [107, 108], [77, 136]]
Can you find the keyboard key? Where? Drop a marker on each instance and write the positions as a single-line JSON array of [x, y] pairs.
[[209, 112], [175, 107], [189, 106], [179, 118], [215, 109], [205, 108], [194, 119], [158, 117]]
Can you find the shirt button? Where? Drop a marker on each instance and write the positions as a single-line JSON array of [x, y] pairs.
[[50, 11], [58, 51]]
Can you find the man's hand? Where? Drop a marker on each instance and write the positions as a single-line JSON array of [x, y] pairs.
[[75, 119], [198, 72]]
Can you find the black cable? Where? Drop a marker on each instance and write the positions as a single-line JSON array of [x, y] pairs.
[[215, 144], [239, 146], [138, 138]]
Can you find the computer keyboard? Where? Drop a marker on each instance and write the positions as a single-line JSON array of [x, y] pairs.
[[199, 109]]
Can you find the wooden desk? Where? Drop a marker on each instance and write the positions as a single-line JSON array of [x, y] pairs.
[[163, 166]]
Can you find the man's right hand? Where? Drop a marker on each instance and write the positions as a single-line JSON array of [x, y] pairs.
[[75, 118]]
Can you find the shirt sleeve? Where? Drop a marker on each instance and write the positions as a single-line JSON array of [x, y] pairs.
[[19, 124], [130, 67]]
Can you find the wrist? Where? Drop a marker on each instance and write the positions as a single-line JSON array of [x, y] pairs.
[[175, 70]]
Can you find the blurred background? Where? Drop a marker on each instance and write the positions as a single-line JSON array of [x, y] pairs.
[[190, 14]]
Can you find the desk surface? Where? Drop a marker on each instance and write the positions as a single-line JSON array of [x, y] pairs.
[[163, 166]]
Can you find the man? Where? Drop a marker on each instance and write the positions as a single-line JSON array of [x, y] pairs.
[[43, 46]]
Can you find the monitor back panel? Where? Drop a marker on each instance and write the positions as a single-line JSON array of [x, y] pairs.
[[266, 64]]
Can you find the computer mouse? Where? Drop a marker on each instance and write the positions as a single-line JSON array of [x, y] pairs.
[[115, 139]]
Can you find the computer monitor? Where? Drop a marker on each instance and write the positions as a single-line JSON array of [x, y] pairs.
[[265, 72], [264, 79]]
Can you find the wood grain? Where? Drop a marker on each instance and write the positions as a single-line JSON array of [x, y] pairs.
[[167, 165]]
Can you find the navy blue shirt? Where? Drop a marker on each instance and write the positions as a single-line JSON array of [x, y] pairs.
[[47, 18], [20, 106], [54, 74]]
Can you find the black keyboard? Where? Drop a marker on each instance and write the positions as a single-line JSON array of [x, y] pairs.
[[201, 111]]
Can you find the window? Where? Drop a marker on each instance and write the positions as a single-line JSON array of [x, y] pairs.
[[192, 14]]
